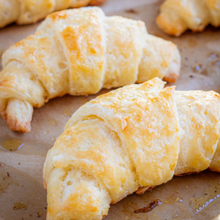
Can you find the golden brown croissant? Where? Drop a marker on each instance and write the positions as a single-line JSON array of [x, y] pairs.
[[78, 52], [129, 140], [31, 11], [176, 16]]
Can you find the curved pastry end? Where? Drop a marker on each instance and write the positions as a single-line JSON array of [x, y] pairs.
[[18, 115], [171, 78], [171, 24], [96, 2]]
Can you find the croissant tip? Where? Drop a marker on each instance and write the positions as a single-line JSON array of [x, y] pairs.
[[16, 126], [171, 78], [26, 128], [164, 24]]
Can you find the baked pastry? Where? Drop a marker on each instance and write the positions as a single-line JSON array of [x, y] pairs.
[[31, 11], [176, 16], [78, 52], [129, 140]]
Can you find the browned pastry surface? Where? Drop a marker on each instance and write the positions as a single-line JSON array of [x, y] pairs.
[[79, 52], [132, 138], [176, 16], [31, 11]]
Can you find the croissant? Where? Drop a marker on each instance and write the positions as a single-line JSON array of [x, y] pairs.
[[78, 52], [176, 16], [129, 140], [31, 11]]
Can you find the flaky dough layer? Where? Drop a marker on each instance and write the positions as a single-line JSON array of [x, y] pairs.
[[31, 11], [176, 16], [79, 52], [128, 140]]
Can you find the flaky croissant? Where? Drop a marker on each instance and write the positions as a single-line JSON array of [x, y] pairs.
[[31, 11], [176, 16], [129, 140], [78, 52]]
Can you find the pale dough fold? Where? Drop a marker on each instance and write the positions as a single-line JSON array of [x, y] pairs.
[[129, 140], [79, 52], [176, 16], [30, 11]]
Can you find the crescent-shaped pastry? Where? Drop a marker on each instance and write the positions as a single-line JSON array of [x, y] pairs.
[[176, 16], [129, 140], [31, 11], [79, 52]]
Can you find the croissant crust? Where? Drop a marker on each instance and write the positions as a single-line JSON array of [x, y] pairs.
[[79, 52], [128, 140], [31, 11], [176, 16]]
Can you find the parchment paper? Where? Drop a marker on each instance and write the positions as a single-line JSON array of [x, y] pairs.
[[22, 195]]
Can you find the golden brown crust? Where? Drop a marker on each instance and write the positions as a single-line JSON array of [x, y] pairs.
[[108, 139], [168, 60], [197, 152], [176, 16], [28, 11], [24, 127], [14, 126], [130, 140], [81, 51], [172, 78], [96, 2], [18, 115], [166, 25]]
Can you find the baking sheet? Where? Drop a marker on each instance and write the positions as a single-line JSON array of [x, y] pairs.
[[22, 195]]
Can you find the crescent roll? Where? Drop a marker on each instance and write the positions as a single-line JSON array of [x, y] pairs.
[[31, 11], [79, 52], [176, 16], [129, 140]]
